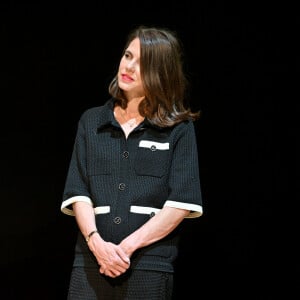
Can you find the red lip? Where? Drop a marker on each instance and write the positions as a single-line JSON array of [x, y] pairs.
[[126, 78]]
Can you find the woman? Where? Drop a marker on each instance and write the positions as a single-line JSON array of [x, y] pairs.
[[133, 176]]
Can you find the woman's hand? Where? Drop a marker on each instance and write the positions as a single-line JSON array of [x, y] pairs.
[[111, 258]]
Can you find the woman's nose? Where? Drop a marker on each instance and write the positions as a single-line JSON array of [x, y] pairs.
[[130, 66]]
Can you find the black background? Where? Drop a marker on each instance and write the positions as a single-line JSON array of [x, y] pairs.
[[58, 59]]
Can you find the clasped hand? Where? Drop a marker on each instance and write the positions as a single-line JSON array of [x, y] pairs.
[[112, 259]]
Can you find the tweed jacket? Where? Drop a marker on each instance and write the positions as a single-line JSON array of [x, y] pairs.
[[128, 180]]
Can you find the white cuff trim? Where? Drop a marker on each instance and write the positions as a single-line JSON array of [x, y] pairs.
[[64, 206], [196, 210]]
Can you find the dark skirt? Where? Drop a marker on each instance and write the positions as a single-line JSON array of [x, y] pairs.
[[89, 284]]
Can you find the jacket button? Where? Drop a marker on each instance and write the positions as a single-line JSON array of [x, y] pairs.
[[125, 154], [152, 214], [122, 186], [117, 220], [153, 148]]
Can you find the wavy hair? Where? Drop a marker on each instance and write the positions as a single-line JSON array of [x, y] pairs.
[[163, 78]]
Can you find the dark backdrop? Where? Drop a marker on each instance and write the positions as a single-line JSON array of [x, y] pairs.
[[57, 61]]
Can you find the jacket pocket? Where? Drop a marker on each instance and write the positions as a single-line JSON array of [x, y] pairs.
[[152, 158]]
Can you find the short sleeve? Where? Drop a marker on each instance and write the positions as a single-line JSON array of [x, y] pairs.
[[184, 182], [76, 186]]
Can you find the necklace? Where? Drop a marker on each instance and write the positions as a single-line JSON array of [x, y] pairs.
[[131, 122]]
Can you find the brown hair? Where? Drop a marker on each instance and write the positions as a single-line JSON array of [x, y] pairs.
[[162, 75]]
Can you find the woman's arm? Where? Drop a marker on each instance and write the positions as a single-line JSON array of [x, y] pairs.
[[112, 259], [85, 217], [155, 229]]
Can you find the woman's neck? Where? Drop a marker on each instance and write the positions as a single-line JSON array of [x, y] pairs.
[[132, 109]]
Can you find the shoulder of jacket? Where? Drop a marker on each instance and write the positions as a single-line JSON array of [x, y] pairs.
[[92, 112]]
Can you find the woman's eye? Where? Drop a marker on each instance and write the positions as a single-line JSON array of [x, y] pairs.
[[127, 55]]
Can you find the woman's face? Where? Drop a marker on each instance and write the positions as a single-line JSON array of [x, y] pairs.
[[129, 76]]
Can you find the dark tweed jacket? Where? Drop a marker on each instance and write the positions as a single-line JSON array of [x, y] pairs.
[[129, 180]]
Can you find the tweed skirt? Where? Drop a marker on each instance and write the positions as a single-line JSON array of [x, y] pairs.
[[89, 284]]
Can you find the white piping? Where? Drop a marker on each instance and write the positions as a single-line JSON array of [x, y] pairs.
[[154, 145], [143, 209]]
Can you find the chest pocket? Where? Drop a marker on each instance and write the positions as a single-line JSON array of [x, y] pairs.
[[152, 158]]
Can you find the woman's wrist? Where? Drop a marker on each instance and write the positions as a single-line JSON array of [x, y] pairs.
[[90, 235]]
